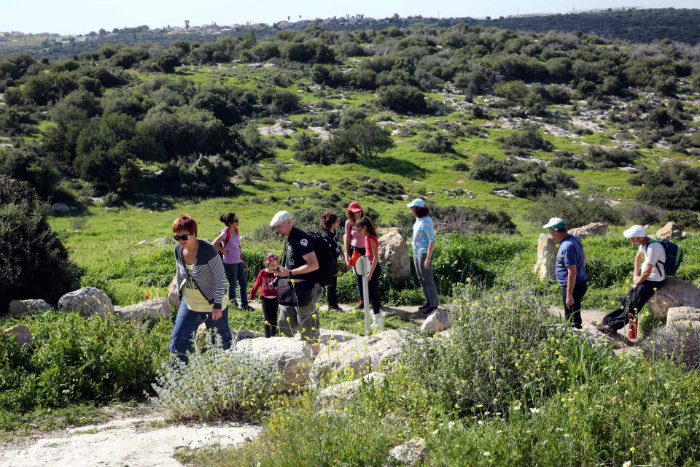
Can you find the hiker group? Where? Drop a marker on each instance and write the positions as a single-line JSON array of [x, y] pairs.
[[655, 260], [291, 285]]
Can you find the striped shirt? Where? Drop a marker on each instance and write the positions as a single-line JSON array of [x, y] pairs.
[[207, 273]]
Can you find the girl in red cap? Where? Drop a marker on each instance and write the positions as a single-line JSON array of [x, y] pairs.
[[268, 293]]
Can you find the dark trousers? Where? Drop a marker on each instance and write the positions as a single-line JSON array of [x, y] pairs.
[[632, 303], [270, 307], [358, 277], [373, 288], [332, 291], [573, 314]]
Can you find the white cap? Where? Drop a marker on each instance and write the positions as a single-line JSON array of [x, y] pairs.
[[635, 231], [280, 217], [555, 223]]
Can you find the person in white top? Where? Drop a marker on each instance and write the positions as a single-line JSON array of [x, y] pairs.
[[649, 277]]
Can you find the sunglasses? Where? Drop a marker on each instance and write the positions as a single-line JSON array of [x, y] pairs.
[[184, 238]]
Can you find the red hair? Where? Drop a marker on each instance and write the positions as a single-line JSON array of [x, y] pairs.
[[185, 223]]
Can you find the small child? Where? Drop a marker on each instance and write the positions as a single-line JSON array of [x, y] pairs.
[[365, 227], [268, 292]]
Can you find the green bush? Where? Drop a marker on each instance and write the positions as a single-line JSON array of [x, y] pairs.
[[438, 144], [402, 99], [216, 384], [35, 262], [576, 210], [458, 219], [81, 359]]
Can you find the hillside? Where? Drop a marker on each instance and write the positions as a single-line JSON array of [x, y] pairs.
[[633, 25]]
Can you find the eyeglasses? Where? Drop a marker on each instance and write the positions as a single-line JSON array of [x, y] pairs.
[[184, 238]]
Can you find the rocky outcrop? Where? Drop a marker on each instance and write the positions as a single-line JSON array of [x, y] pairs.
[[668, 231], [590, 230], [546, 256], [683, 313], [153, 308], [164, 241], [87, 301], [392, 248], [292, 357], [411, 453], [22, 335], [28, 307], [676, 293], [438, 321], [357, 357], [173, 298]]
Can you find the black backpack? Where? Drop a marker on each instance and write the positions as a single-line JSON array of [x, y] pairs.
[[674, 256], [325, 271]]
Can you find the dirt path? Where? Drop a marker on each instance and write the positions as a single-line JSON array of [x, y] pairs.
[[133, 442]]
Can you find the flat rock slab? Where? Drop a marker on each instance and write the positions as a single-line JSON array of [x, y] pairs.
[[126, 442]]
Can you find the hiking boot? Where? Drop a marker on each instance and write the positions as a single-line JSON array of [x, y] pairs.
[[247, 308], [424, 306], [360, 305], [428, 311]]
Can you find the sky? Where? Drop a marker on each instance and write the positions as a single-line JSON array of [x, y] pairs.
[[83, 16]]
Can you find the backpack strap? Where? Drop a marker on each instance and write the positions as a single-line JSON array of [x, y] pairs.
[[663, 263]]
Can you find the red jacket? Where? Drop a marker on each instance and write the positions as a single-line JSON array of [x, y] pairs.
[[265, 280]]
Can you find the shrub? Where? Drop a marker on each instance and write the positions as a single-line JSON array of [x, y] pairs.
[[488, 169], [674, 186], [402, 99], [216, 384], [530, 139], [566, 160], [606, 159], [677, 342], [685, 218], [576, 210], [642, 214], [437, 144], [538, 181], [461, 167], [36, 264], [465, 220]]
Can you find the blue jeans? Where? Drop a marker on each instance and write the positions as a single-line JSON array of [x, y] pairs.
[[186, 325], [235, 272]]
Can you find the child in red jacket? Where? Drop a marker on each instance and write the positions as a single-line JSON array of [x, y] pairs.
[[268, 293]]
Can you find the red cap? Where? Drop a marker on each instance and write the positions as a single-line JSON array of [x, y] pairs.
[[354, 207]]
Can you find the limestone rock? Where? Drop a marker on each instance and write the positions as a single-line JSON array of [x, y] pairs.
[[153, 308], [590, 230], [675, 293], [410, 453], [293, 357], [348, 389], [22, 335], [27, 307], [164, 241], [670, 230], [546, 256], [357, 357], [682, 313], [173, 297], [331, 337], [392, 248], [240, 335], [685, 323], [87, 301], [438, 321]]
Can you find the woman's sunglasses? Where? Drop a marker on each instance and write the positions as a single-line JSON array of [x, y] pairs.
[[184, 238]]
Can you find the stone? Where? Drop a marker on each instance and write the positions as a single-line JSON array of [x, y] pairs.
[[173, 295], [332, 337], [590, 230], [685, 323], [357, 357], [410, 453], [28, 307], [87, 301], [255, 200], [22, 335], [240, 335], [293, 357], [682, 313], [145, 242], [675, 293], [438, 321], [547, 247], [392, 248], [670, 230], [153, 308], [348, 389], [60, 207], [164, 241]]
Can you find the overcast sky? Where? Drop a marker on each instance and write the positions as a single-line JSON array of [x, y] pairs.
[[83, 16]]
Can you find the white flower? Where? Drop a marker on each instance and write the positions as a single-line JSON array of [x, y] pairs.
[[534, 410], [627, 464], [450, 424], [486, 453]]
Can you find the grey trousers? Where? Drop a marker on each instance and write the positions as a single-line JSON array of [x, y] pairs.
[[425, 277], [304, 318]]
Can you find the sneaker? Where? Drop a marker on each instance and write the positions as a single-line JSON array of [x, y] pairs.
[[334, 308], [424, 306], [378, 322], [360, 305], [247, 308]]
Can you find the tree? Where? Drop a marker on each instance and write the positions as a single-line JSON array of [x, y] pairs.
[[167, 63], [402, 99], [367, 139]]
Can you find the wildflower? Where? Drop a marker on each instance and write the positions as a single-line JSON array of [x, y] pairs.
[[632, 449], [627, 464], [486, 453], [146, 297], [534, 410]]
